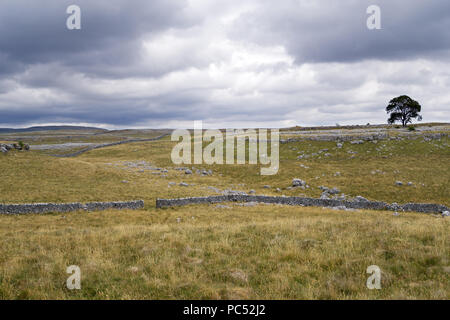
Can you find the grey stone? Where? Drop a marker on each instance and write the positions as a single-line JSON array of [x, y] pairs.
[[361, 199], [334, 191], [398, 183], [298, 182], [221, 206], [188, 171], [183, 184]]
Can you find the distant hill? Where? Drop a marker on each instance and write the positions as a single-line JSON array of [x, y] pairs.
[[48, 128]]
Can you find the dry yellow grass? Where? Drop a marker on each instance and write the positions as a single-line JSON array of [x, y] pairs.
[[203, 252]]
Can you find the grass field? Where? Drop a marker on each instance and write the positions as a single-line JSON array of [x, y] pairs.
[[260, 252]]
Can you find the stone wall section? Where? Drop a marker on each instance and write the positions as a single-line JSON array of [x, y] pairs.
[[306, 202], [39, 208]]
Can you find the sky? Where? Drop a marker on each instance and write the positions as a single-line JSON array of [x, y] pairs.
[[229, 63]]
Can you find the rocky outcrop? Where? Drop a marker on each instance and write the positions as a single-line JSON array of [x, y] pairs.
[[306, 202], [361, 138], [5, 148]]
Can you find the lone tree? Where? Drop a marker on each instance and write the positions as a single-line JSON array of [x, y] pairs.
[[403, 109]]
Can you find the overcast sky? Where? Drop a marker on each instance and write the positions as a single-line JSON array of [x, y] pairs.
[[230, 63]]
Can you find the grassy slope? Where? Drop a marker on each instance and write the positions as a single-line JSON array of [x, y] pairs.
[[248, 252]]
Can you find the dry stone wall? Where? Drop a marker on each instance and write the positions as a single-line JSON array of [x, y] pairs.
[[39, 208], [307, 202]]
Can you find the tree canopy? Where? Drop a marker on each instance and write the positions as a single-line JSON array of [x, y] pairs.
[[403, 109]]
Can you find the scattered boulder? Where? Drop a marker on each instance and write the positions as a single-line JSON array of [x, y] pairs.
[[183, 184], [267, 187], [206, 173], [339, 145], [446, 214], [357, 142], [298, 183], [399, 183], [188, 171]]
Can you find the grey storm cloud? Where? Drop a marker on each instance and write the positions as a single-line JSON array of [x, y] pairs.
[[35, 32], [335, 31], [249, 63]]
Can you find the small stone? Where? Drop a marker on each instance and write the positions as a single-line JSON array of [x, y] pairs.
[[252, 191], [267, 187], [221, 206], [410, 183], [339, 145], [125, 181], [183, 184], [239, 275], [334, 191], [188, 171], [339, 208], [446, 214], [298, 182], [134, 269], [398, 183]]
